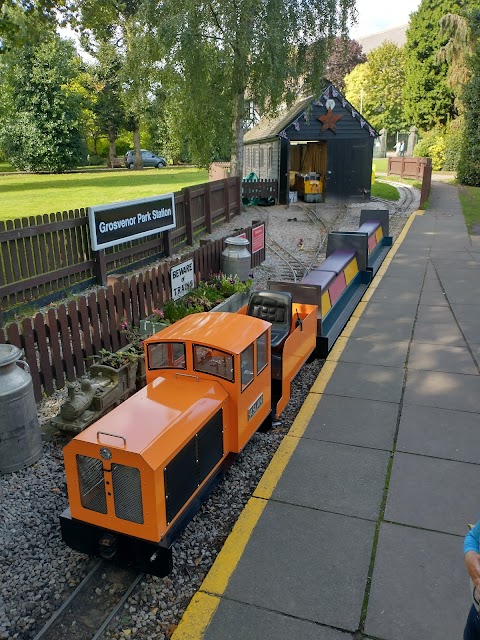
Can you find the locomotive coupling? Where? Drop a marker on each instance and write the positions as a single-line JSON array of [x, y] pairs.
[[107, 546]]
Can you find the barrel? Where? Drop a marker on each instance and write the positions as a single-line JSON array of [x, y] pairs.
[[20, 437], [236, 258]]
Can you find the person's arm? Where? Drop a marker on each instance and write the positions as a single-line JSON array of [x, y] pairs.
[[471, 548]]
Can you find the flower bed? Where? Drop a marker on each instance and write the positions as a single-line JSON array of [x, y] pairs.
[[208, 296]]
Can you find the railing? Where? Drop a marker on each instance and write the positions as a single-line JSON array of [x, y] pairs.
[[415, 168]]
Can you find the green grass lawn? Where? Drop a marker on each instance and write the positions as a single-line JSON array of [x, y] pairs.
[[470, 201], [381, 165], [385, 191], [32, 194]]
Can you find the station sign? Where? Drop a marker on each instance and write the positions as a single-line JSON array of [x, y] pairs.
[[112, 224], [182, 279], [258, 238]]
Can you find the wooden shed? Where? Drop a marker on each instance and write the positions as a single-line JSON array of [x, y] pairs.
[[320, 148]]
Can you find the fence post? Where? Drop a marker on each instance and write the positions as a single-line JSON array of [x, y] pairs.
[[187, 203], [167, 243], [239, 194], [226, 198], [100, 267], [207, 199], [426, 183]]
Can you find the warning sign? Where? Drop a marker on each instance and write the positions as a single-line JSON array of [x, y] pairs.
[[182, 279], [258, 238]]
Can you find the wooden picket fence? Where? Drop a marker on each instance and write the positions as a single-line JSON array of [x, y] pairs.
[[41, 256], [59, 345]]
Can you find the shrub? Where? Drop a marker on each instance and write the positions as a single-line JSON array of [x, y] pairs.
[[453, 140], [432, 145]]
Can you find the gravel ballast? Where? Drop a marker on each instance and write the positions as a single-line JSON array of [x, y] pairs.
[[38, 571]]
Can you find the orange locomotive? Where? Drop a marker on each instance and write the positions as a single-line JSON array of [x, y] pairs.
[[137, 476]]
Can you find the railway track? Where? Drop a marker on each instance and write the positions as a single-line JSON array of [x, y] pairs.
[[295, 268], [404, 203], [89, 610]]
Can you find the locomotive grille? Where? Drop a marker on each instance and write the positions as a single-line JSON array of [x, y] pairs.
[[127, 493], [92, 487]]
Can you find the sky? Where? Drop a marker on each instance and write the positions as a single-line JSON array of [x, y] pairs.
[[378, 15]]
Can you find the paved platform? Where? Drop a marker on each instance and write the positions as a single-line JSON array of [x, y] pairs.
[[356, 528]]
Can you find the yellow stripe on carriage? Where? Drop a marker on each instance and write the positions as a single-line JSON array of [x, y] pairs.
[[326, 304], [379, 234], [351, 270]]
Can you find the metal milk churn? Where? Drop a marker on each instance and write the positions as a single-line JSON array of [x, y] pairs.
[[20, 437], [236, 258]]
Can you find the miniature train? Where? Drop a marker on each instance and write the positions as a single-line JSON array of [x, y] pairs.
[[137, 476]]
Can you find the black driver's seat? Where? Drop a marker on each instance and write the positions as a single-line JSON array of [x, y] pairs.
[[275, 307]]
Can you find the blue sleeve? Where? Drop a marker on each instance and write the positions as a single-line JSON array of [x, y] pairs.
[[472, 539]]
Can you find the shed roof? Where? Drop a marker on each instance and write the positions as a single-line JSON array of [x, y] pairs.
[[273, 127]]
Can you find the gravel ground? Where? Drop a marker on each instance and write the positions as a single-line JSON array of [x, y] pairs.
[[38, 571]]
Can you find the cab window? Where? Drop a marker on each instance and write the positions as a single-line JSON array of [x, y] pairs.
[[262, 352], [213, 361], [246, 364], [166, 355]]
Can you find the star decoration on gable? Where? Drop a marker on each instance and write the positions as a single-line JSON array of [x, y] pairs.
[[329, 121]]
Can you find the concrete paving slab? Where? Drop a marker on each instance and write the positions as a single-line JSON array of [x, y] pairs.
[[335, 477], [441, 358], [379, 311], [471, 331], [433, 298], [412, 283], [466, 312], [419, 586], [459, 293], [396, 330], [384, 295], [476, 351], [398, 272], [443, 333], [432, 285], [237, 621], [436, 315], [444, 390], [365, 381], [292, 565], [383, 352], [432, 493], [366, 423], [440, 433]]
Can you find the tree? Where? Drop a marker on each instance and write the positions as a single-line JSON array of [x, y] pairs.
[[108, 107], [428, 98], [106, 25], [259, 49], [375, 87], [468, 169], [41, 125], [344, 56]]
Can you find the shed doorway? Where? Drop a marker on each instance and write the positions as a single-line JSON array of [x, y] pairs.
[[308, 169]]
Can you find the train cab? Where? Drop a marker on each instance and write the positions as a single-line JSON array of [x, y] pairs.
[[228, 349]]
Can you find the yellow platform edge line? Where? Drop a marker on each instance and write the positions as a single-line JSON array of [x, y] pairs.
[[197, 617], [204, 603]]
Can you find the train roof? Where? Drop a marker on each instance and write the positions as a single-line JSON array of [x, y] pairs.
[[163, 410], [231, 332]]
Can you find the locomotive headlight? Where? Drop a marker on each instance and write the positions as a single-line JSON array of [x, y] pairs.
[[105, 453]]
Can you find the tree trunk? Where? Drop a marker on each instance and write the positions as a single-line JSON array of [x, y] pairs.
[[112, 147], [138, 164], [236, 161]]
